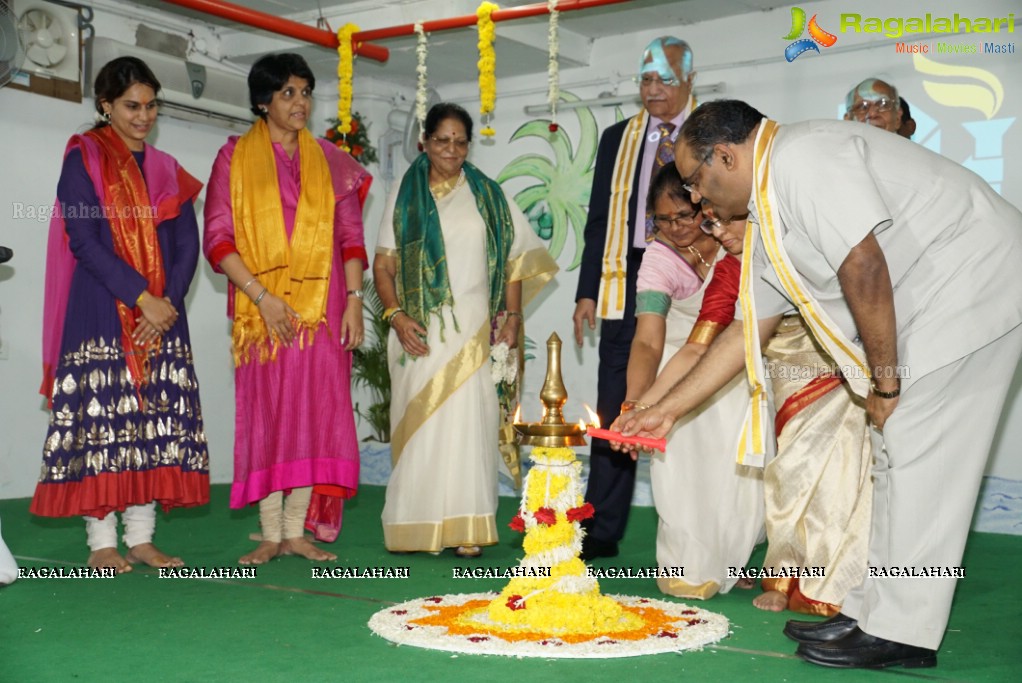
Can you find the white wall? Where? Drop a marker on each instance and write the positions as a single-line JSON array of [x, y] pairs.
[[744, 53]]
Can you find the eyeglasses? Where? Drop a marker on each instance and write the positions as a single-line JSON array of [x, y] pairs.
[[461, 144], [692, 180], [861, 108], [648, 80], [708, 224], [662, 222]]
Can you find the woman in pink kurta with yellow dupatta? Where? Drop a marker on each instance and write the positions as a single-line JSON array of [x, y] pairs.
[[283, 221]]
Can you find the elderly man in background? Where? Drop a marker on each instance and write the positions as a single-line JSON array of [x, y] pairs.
[[877, 103], [616, 234]]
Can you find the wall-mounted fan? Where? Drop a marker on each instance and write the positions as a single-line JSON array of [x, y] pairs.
[[11, 55], [49, 37]]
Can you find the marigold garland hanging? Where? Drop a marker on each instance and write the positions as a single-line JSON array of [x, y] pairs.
[[553, 70], [345, 69], [487, 65], [420, 91]]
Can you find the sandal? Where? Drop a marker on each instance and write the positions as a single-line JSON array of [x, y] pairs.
[[468, 551]]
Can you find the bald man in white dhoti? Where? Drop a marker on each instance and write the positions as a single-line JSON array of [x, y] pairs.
[[905, 266]]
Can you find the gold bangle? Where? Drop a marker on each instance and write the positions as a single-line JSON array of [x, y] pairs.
[[259, 298], [138, 301], [633, 405], [514, 314], [388, 314]]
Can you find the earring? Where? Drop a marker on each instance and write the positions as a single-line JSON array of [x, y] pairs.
[[106, 116], [263, 109]]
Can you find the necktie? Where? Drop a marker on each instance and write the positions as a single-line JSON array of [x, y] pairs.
[[664, 155]]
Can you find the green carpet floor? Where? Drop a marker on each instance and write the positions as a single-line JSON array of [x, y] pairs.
[[286, 626]]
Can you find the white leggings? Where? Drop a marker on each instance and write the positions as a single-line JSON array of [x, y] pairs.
[[282, 519], [139, 525]]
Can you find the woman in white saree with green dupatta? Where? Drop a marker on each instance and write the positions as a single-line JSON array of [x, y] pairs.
[[456, 260]]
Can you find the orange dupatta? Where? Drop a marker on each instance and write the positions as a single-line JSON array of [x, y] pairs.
[[127, 207]]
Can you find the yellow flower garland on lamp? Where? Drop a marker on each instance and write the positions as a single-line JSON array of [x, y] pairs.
[[487, 65], [345, 69]]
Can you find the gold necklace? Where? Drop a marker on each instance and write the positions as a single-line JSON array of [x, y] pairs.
[[699, 256], [445, 187]]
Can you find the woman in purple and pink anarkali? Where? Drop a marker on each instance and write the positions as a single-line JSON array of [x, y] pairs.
[[284, 223], [126, 427]]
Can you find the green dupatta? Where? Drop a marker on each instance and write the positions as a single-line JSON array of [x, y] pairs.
[[423, 286]]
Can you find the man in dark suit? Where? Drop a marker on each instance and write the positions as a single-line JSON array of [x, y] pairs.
[[615, 239]]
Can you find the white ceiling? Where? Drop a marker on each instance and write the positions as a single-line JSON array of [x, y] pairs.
[[521, 45]]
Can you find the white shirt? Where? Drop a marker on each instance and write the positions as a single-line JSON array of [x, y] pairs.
[[953, 246]]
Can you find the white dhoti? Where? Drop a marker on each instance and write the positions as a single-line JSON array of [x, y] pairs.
[[929, 466]]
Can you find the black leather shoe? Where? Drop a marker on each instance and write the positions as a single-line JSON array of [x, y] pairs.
[[836, 627], [594, 547], [859, 650]]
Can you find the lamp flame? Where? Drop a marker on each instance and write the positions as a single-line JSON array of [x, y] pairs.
[[518, 415], [594, 419]]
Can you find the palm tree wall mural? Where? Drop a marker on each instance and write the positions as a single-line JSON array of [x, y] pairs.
[[557, 203]]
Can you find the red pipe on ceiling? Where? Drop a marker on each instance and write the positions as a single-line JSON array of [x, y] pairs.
[[285, 27], [318, 36], [470, 19]]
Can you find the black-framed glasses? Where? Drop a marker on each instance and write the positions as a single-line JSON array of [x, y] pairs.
[[649, 80], [861, 108], [663, 222], [459, 144], [689, 182]]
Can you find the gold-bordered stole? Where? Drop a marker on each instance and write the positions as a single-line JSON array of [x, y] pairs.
[[611, 304]]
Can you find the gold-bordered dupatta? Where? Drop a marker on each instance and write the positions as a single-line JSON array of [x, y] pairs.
[[296, 270]]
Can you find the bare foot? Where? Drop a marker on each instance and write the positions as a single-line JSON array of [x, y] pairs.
[[745, 583], [771, 601], [109, 558], [149, 554], [256, 536], [304, 547], [266, 551]]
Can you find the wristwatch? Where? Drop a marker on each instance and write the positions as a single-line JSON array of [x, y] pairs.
[[357, 293], [884, 394]]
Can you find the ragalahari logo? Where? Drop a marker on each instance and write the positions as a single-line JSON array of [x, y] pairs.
[[816, 35]]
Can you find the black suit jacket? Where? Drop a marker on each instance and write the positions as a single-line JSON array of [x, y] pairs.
[[591, 268]]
